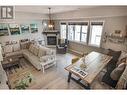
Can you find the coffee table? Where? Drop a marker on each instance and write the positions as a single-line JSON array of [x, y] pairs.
[[10, 62], [94, 63]]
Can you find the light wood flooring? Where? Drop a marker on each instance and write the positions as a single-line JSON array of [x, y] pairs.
[[54, 77]]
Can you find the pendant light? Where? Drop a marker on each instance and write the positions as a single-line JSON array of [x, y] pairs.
[[50, 23]]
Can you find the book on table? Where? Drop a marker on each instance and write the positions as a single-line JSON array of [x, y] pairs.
[[79, 71]]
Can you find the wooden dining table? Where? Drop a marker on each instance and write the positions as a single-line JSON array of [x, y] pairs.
[[94, 63]]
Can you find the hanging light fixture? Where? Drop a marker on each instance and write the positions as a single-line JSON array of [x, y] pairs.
[[50, 23]]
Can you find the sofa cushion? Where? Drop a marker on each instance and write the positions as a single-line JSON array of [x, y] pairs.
[[14, 53], [27, 53], [32, 58], [42, 52], [122, 83], [36, 50], [124, 59], [16, 47], [8, 49], [123, 55], [31, 48], [117, 72]]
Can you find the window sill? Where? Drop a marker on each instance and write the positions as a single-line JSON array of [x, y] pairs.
[[94, 45], [83, 43]]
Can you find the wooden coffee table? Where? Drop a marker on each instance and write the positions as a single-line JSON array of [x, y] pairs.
[[10, 62], [94, 63]]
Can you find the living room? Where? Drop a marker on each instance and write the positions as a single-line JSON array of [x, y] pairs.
[[40, 47]]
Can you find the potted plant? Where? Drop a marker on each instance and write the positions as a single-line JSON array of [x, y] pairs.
[[24, 83]]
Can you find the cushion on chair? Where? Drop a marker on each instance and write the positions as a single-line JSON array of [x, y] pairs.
[[117, 72]]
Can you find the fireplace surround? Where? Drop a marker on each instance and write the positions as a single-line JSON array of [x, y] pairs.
[[51, 38]]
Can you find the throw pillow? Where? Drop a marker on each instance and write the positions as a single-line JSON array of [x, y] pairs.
[[42, 52], [36, 50], [123, 60], [8, 49], [117, 72], [32, 48], [16, 47], [123, 55]]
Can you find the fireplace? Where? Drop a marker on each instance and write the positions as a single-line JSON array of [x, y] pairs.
[[51, 37], [51, 40]]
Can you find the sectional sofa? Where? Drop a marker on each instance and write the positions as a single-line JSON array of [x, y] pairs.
[[39, 56]]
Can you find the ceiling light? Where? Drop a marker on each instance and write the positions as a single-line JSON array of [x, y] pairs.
[[50, 23]]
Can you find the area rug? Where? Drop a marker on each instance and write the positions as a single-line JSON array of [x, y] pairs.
[[20, 77]]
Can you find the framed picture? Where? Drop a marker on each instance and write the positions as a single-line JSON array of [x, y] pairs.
[[14, 29], [4, 29], [24, 28], [33, 28]]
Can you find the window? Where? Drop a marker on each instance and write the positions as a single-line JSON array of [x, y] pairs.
[[95, 33], [84, 33], [71, 32], [63, 28], [78, 31]]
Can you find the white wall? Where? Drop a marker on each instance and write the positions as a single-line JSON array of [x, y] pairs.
[[95, 12], [24, 18], [112, 24]]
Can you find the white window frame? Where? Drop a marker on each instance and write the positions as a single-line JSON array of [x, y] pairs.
[[66, 28], [86, 21], [90, 33]]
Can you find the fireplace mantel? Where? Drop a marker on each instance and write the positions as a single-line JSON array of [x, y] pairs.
[[51, 32]]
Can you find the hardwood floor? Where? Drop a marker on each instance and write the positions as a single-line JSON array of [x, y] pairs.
[[54, 77]]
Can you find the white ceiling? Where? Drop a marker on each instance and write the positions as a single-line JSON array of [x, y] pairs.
[[44, 9]]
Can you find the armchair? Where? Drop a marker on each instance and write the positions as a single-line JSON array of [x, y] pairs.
[[62, 46]]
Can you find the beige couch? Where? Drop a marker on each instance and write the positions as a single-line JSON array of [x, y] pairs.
[[40, 57], [3, 76], [123, 80]]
